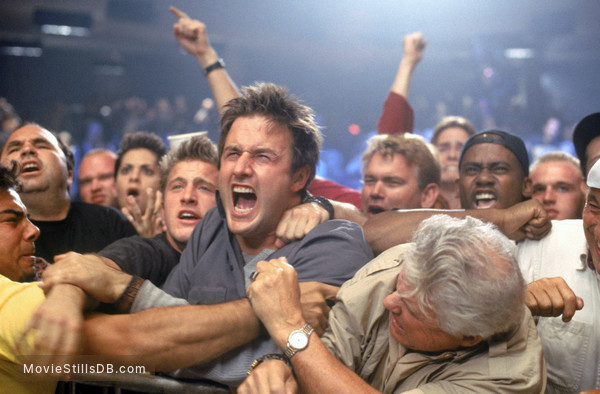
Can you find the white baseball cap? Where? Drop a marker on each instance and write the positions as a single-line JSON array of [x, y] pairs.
[[593, 178]]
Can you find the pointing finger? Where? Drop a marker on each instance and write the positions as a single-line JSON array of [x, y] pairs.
[[178, 13]]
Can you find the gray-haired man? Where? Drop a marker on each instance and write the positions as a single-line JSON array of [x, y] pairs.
[[441, 314]]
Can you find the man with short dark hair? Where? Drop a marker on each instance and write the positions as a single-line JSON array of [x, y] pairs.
[[268, 152], [46, 166], [18, 301], [137, 179]]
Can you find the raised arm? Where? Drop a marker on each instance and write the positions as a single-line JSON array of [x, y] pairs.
[[527, 219], [397, 116], [191, 35], [414, 46]]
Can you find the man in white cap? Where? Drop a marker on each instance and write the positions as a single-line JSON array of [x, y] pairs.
[[564, 274]]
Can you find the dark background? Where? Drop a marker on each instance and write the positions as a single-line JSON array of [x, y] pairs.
[[340, 57]]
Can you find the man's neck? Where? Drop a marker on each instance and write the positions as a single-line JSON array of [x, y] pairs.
[[449, 192], [44, 207], [254, 245]]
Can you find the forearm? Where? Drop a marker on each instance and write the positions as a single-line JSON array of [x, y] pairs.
[[221, 85], [318, 371], [401, 84], [391, 228], [165, 339], [110, 263], [75, 295], [348, 211]]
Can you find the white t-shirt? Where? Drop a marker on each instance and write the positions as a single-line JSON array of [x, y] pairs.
[[571, 350]]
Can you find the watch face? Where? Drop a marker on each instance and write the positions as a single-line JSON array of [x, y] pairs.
[[298, 340]]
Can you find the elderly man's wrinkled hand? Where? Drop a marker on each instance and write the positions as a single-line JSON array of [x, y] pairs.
[[275, 297]]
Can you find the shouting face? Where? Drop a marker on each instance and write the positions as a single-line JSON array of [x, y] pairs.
[[491, 177], [189, 194], [255, 180]]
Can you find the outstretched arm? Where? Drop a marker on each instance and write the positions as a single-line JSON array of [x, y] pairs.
[[191, 35], [527, 219], [414, 46], [169, 338], [397, 116], [161, 338]]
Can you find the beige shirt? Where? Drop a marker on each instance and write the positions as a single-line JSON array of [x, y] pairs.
[[358, 335]]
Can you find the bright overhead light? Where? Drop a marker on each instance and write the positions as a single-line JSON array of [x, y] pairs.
[[21, 48], [64, 30], [63, 23], [519, 53]]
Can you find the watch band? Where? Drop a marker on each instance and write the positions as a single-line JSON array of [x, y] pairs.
[[270, 356], [323, 202], [291, 350], [215, 66]]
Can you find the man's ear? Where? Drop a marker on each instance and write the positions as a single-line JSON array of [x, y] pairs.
[[583, 187], [69, 179], [527, 189], [429, 194], [162, 209], [300, 178], [470, 340]]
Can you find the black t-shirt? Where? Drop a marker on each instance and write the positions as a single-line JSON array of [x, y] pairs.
[[150, 258], [87, 229]]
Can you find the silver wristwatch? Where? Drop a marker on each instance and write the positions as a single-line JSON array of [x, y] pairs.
[[298, 340]]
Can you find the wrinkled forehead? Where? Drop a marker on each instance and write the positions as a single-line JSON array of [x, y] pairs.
[[487, 152], [30, 133]]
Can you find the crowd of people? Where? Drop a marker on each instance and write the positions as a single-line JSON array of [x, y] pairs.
[[459, 266]]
